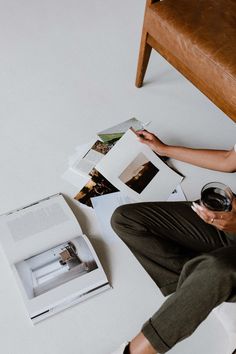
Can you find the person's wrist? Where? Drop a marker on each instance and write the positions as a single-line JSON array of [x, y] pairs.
[[162, 150]]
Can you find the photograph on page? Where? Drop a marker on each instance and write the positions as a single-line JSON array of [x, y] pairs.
[[85, 164], [117, 131], [138, 174], [135, 170], [49, 269], [96, 186]]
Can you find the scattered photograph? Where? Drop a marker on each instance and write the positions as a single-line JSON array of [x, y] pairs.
[[139, 173], [114, 133], [97, 185], [85, 164], [56, 266], [101, 147]]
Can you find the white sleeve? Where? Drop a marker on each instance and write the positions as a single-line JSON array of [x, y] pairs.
[[235, 147]]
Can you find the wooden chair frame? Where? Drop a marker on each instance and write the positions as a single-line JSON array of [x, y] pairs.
[[148, 43]]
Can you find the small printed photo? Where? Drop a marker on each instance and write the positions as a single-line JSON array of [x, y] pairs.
[[55, 266], [97, 185], [139, 173], [84, 165], [101, 147], [113, 134]]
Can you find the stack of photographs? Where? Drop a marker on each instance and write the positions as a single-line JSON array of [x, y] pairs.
[[96, 184]]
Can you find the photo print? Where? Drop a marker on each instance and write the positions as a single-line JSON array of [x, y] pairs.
[[85, 164], [113, 134], [55, 266], [139, 173], [96, 186], [101, 147]]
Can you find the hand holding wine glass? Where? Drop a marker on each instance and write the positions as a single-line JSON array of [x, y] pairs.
[[217, 206]]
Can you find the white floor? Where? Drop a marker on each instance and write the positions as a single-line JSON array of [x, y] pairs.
[[67, 70]]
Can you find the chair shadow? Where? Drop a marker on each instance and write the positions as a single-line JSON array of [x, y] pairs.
[[79, 213], [164, 77]]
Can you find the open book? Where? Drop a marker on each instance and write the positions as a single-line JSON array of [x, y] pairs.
[[54, 264]]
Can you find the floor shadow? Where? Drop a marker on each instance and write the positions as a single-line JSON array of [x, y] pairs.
[[80, 214], [162, 78], [102, 251]]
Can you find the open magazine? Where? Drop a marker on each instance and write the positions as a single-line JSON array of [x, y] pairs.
[[54, 264]]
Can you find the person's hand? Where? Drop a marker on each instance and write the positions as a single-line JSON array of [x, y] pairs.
[[222, 220], [152, 141]]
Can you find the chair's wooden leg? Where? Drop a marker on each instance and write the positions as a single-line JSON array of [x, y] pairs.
[[144, 55]]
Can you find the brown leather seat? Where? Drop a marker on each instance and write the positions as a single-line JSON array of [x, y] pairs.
[[198, 37]]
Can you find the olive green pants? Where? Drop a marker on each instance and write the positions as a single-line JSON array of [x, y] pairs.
[[184, 256]]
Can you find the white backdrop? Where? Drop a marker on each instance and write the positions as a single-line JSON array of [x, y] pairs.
[[67, 70]]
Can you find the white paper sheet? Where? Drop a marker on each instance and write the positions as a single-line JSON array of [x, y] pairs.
[[128, 160], [121, 128], [104, 206], [177, 195], [34, 227]]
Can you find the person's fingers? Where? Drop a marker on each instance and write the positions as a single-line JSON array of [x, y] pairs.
[[202, 209], [144, 134], [217, 219], [234, 204], [199, 213], [143, 140], [206, 215], [219, 215], [224, 221]]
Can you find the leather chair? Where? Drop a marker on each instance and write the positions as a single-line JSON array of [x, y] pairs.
[[198, 37]]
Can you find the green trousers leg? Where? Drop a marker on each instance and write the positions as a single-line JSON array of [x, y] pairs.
[[183, 255]]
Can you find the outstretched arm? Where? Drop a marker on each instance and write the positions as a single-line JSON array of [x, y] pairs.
[[219, 160]]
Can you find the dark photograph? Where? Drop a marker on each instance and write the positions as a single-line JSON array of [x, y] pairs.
[[97, 185], [139, 173], [101, 147]]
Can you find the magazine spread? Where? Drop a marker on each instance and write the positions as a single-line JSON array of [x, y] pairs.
[[54, 264], [135, 170]]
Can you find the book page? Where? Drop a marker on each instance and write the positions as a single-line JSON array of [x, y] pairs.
[[36, 221], [85, 164], [54, 279], [177, 195], [37, 226], [55, 266], [134, 169], [104, 206]]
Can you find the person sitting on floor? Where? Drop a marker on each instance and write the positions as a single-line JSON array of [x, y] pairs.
[[188, 250]]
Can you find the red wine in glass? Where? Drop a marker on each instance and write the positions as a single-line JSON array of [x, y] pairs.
[[217, 196]]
